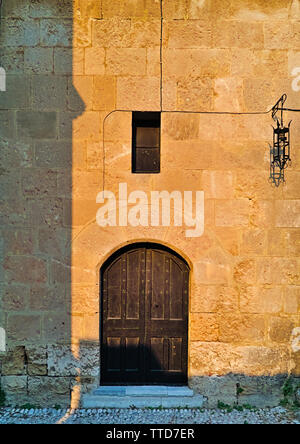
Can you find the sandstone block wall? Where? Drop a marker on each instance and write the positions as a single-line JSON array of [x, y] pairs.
[[69, 64]]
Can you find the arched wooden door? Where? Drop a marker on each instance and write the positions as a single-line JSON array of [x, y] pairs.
[[144, 313]]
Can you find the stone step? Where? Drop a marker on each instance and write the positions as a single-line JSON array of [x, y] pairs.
[[142, 396], [144, 390]]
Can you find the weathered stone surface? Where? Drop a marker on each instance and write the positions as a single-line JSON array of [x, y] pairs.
[[47, 391], [7, 123], [245, 328], [91, 327], [19, 241], [10, 183], [56, 32], [218, 184], [297, 396], [88, 8], [175, 10], [144, 93], [36, 125], [104, 93], [232, 213], [204, 299], [202, 62], [36, 360], [153, 61], [213, 269], [14, 297], [63, 61], [19, 32], [228, 299], [15, 154], [245, 272], [261, 300], [292, 299], [21, 327], [49, 92], [278, 38], [215, 388], [125, 61], [117, 127], [23, 269], [181, 126], [14, 8], [137, 8], [194, 93], [80, 86], [12, 60], [204, 327], [110, 33], [228, 94], [217, 358], [280, 329], [56, 325], [277, 241], [85, 300], [287, 213], [13, 362], [15, 388], [81, 385], [82, 30], [262, 391], [212, 299], [46, 212], [262, 360], [257, 92], [60, 272], [17, 94], [188, 34], [254, 185], [94, 61], [54, 242], [229, 239], [53, 154], [296, 364], [38, 60], [73, 360], [278, 271], [262, 213], [50, 8], [43, 298], [39, 183], [253, 242], [87, 126], [14, 213]]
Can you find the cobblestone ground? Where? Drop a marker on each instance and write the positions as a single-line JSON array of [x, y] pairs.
[[276, 415]]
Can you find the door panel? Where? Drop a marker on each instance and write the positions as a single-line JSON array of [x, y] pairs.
[[144, 317], [114, 291]]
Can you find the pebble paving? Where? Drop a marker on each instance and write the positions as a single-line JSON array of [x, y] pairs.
[[277, 415]]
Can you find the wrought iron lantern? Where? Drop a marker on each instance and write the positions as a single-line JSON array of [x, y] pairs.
[[280, 151]]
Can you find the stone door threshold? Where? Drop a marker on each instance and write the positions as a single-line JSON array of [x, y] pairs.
[[142, 397]]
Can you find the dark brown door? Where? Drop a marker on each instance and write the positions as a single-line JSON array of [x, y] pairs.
[[144, 317]]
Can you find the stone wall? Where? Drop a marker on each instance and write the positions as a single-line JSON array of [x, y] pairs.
[[69, 64], [36, 112]]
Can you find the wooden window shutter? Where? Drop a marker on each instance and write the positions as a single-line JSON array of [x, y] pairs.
[[146, 142]]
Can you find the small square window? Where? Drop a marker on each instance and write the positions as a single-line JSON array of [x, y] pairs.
[[146, 142]]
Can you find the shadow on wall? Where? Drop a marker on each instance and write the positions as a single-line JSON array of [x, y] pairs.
[[36, 115]]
